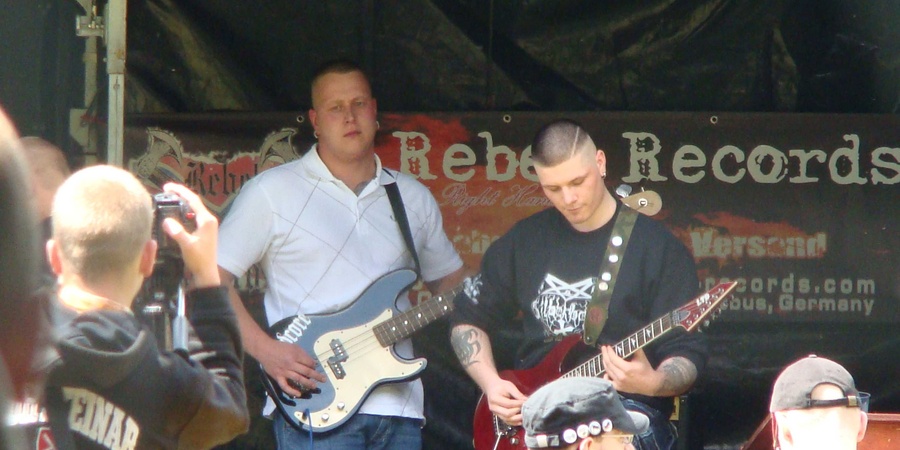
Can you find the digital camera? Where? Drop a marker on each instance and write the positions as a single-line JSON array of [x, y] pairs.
[[167, 205], [156, 301]]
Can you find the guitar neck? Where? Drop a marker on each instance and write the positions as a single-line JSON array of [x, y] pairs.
[[594, 367], [405, 324]]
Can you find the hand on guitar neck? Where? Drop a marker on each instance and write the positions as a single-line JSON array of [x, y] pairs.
[[633, 375]]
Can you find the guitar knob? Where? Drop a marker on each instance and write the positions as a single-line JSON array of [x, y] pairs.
[[341, 406], [325, 417], [514, 441]]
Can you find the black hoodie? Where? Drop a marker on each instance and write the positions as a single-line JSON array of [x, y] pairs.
[[119, 391]]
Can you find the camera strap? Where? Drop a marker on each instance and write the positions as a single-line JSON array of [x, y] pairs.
[[402, 221]]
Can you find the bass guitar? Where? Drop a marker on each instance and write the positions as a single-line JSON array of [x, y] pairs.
[[491, 433], [354, 347]]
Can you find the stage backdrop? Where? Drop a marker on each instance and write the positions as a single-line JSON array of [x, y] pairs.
[[801, 209]]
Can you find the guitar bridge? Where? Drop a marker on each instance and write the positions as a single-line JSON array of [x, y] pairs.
[[503, 430]]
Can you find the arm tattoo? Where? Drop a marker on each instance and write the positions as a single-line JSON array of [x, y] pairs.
[[680, 374], [465, 345]]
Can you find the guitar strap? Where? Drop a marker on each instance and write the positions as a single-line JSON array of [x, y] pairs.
[[598, 308], [400, 214]]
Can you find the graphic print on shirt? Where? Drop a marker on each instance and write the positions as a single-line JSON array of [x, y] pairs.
[[560, 306], [101, 421], [472, 288]]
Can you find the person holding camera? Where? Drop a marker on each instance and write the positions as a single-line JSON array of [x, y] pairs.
[[112, 387]]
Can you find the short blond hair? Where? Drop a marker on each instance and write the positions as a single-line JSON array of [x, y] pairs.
[[102, 218]]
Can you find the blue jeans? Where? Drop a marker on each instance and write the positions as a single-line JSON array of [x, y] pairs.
[[362, 431], [662, 433]]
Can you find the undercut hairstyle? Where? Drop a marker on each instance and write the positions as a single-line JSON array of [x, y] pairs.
[[102, 218], [340, 66], [559, 141]]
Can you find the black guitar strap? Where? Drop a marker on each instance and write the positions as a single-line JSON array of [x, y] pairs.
[[598, 308], [402, 221]]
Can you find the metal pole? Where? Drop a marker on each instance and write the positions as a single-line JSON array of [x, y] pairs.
[[115, 67], [82, 128]]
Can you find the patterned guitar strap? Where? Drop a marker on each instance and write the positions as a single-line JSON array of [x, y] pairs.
[[598, 308]]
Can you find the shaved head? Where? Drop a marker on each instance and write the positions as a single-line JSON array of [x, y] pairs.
[[559, 141], [102, 217], [339, 66]]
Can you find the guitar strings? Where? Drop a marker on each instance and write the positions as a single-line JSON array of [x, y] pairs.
[[367, 339]]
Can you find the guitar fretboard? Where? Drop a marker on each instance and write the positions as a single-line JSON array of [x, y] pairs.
[[405, 324], [689, 316], [594, 366]]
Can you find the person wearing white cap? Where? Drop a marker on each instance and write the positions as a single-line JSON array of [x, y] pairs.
[[580, 412], [815, 405]]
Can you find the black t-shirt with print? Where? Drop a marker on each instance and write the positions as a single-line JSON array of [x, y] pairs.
[[546, 270]]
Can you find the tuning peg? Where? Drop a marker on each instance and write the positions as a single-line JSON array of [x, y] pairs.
[[623, 190]]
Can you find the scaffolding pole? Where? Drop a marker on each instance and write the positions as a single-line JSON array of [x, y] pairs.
[[111, 26], [115, 67]]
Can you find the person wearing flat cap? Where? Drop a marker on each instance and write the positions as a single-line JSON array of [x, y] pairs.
[[815, 405], [580, 412]]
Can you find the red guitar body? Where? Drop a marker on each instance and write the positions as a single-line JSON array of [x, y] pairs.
[[491, 433], [486, 425]]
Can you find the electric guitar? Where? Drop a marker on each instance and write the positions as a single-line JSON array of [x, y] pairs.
[[491, 433], [354, 348]]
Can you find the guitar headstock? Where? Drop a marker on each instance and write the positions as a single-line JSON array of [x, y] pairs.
[[697, 311], [645, 202]]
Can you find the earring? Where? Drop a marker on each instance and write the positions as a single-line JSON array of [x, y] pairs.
[[603, 175], [377, 125], [316, 134]]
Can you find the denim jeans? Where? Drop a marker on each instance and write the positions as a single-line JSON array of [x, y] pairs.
[[362, 431], [662, 433]]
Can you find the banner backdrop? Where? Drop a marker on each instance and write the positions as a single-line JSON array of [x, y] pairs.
[[803, 210]]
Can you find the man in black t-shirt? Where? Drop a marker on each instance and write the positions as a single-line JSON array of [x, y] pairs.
[[548, 267]]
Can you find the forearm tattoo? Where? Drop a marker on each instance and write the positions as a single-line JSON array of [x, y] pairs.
[[465, 345], [680, 374]]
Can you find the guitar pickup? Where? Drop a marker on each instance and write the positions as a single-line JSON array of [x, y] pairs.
[[335, 362]]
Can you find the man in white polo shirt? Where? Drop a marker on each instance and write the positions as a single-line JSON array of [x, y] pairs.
[[323, 230]]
